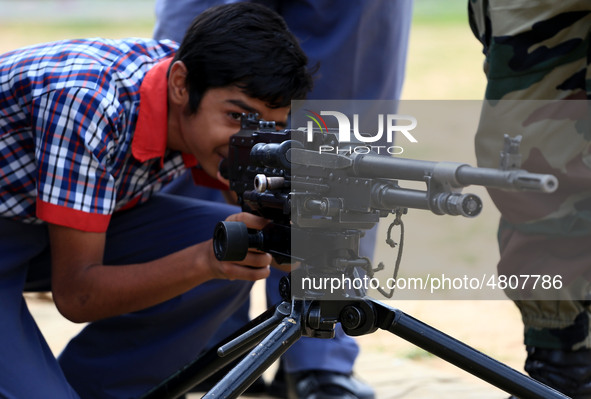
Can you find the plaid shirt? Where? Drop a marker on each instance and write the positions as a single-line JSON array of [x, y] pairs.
[[68, 113]]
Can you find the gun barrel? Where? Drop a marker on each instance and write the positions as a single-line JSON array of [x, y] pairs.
[[376, 166], [451, 173], [508, 179]]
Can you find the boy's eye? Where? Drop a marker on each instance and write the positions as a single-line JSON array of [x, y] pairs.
[[236, 115]]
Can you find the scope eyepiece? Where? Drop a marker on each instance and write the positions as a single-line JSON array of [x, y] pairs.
[[230, 241]]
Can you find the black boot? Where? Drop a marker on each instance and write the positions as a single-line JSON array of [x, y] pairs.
[[566, 371]]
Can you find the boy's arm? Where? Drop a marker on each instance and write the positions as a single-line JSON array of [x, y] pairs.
[[85, 289]]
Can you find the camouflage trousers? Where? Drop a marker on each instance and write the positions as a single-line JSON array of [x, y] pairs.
[[539, 86]]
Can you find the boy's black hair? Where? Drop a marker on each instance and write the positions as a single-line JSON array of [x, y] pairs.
[[246, 45]]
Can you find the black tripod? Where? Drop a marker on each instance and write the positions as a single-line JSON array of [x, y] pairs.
[[268, 336]]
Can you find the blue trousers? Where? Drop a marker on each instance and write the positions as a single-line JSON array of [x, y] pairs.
[[119, 357]]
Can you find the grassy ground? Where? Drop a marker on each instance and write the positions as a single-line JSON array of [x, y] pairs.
[[444, 59], [17, 34], [444, 63]]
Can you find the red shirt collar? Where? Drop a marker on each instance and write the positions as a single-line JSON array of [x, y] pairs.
[[151, 132]]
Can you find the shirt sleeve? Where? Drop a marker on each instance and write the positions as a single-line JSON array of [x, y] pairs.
[[74, 129]]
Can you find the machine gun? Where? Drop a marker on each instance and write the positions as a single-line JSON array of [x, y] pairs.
[[318, 192], [320, 201]]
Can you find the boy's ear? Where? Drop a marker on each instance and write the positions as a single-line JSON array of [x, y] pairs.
[[177, 78]]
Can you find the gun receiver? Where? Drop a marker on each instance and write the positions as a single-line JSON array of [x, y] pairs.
[[282, 176]]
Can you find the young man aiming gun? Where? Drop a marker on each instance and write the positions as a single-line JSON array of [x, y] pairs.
[[90, 130]]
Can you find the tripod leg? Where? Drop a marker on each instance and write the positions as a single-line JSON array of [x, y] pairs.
[[255, 334], [260, 358], [210, 362], [461, 355]]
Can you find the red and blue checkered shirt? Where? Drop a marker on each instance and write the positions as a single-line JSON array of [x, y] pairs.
[[75, 144]]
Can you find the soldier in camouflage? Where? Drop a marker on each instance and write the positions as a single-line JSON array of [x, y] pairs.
[[539, 85]]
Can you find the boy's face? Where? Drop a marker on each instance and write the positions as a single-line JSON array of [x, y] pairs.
[[206, 133]]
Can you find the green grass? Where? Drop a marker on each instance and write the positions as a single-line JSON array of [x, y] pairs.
[[442, 12], [71, 29], [14, 35]]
